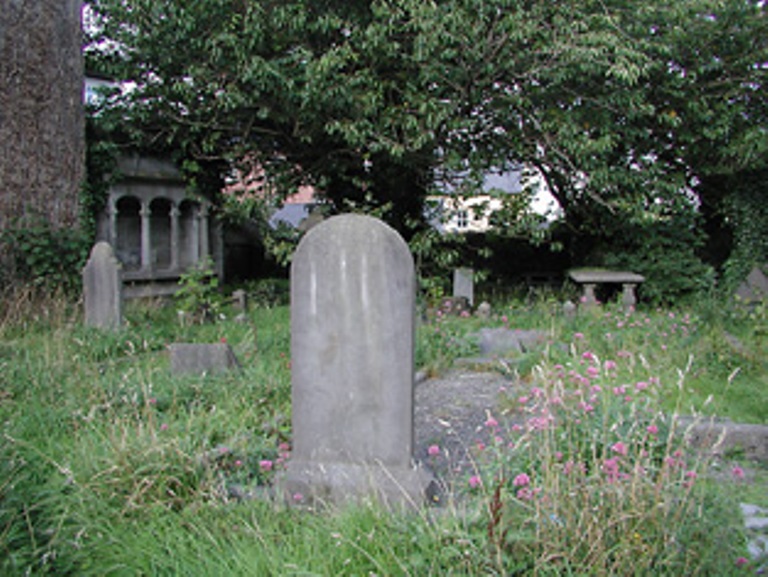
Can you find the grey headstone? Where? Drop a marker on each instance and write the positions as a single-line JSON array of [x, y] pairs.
[[103, 288], [199, 359], [352, 341], [483, 310], [464, 284], [240, 300], [499, 341], [754, 287]]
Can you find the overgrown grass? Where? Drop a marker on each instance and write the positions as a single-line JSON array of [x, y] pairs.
[[113, 466]]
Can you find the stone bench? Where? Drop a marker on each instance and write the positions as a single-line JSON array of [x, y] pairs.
[[590, 278]]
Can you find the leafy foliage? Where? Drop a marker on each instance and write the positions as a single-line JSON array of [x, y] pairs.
[[45, 256], [616, 105], [198, 295]]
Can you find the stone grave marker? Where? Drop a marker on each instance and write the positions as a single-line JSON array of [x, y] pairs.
[[352, 342], [103, 288], [754, 287], [464, 284], [202, 358]]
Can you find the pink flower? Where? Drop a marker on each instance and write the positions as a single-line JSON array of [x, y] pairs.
[[611, 469], [298, 497], [491, 422], [641, 385], [525, 494], [522, 480], [223, 340], [593, 372], [523, 400], [164, 427], [266, 465], [737, 472], [433, 451], [586, 407], [609, 365], [588, 356], [741, 561], [652, 429], [238, 463], [475, 481], [578, 336], [619, 448]]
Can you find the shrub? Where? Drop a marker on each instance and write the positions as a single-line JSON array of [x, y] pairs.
[[43, 256], [198, 295]]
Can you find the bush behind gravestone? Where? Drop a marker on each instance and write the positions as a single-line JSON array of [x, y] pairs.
[[43, 256], [665, 252]]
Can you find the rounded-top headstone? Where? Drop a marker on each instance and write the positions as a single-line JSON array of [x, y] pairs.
[[352, 343]]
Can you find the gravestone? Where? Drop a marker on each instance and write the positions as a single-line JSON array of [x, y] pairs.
[[464, 284], [754, 287], [103, 288], [352, 342], [202, 358]]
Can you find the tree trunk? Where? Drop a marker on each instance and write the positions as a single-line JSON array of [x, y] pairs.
[[42, 140]]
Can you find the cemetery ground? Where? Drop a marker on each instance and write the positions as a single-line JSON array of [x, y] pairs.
[[112, 465]]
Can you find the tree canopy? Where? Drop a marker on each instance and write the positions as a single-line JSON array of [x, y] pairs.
[[626, 108]]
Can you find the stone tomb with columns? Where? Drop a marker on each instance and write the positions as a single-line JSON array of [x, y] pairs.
[[158, 231]]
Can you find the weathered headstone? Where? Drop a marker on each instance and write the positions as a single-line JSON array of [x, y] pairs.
[[464, 284], [754, 287], [202, 358], [240, 300], [103, 288], [352, 341], [483, 310]]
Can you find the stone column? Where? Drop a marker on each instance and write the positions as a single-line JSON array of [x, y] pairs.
[[205, 249], [146, 237], [589, 299], [175, 213], [112, 213], [194, 241]]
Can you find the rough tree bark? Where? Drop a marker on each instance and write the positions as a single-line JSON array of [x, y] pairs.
[[42, 140]]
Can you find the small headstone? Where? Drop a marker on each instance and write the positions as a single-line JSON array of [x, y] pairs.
[[501, 341], [569, 309], [199, 359], [483, 311], [464, 284], [352, 341], [754, 287], [240, 300], [103, 288]]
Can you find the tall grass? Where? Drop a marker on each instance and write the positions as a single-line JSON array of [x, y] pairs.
[[110, 465]]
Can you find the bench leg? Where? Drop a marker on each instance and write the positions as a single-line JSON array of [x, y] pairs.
[[589, 299], [628, 299]]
